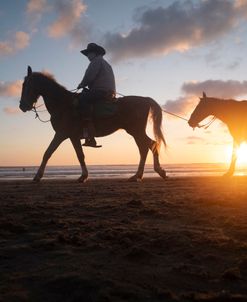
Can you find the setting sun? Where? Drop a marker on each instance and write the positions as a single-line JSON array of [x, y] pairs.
[[242, 154]]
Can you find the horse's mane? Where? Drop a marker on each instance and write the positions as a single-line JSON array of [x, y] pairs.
[[225, 101], [48, 83], [49, 79]]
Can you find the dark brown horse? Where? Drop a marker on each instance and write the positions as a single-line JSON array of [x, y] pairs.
[[131, 115], [232, 113]]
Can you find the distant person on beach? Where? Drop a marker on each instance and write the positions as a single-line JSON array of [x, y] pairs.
[[98, 84]]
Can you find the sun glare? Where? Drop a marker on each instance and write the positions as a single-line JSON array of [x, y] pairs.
[[242, 154]]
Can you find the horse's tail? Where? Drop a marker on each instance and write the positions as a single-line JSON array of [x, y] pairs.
[[156, 115]]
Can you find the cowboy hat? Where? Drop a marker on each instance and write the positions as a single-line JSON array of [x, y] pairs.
[[92, 47]]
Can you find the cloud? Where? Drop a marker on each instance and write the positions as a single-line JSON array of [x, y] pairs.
[[35, 10], [216, 88], [11, 89], [181, 105], [193, 90], [178, 27], [69, 18], [36, 6], [11, 110], [191, 140], [19, 41]]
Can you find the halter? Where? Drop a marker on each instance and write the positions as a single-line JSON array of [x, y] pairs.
[[205, 126]]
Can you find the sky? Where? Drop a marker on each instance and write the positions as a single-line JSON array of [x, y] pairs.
[[169, 50]]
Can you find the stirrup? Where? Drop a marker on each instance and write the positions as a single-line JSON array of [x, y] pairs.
[[91, 143]]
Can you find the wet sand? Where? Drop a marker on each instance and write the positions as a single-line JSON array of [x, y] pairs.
[[183, 239]]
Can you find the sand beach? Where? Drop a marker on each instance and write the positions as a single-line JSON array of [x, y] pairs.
[[183, 239]]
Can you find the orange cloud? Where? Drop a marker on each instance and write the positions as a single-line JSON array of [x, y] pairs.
[[69, 14], [19, 41], [191, 140], [181, 105], [193, 90], [11, 110], [36, 6], [11, 89], [35, 9], [216, 88]]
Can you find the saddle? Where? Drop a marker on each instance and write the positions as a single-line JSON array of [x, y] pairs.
[[105, 108]]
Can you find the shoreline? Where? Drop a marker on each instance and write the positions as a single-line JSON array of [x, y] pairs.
[[123, 178]]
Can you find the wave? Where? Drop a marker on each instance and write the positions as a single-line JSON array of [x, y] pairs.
[[117, 171]]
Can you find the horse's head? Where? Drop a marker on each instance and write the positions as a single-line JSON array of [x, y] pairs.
[[201, 111], [29, 94]]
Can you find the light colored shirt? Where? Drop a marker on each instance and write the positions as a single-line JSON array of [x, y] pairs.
[[99, 75]]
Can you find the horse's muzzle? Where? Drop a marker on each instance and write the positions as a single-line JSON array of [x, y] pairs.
[[191, 124], [25, 106], [22, 106]]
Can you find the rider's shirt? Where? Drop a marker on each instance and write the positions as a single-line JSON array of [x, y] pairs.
[[99, 75]]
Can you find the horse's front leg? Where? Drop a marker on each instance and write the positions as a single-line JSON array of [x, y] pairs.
[[57, 140], [80, 155], [233, 160]]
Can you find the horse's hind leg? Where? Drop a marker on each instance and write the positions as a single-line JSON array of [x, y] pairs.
[[57, 140], [142, 142], [153, 146], [231, 169], [80, 155]]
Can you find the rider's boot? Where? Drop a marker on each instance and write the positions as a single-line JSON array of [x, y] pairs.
[[90, 140]]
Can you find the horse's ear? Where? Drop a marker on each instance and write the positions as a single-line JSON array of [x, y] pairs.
[[29, 71], [204, 95]]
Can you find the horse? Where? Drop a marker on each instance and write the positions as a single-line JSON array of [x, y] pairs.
[[132, 115], [231, 112]]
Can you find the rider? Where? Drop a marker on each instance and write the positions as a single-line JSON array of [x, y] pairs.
[[98, 83]]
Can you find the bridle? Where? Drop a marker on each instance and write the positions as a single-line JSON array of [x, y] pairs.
[[205, 126], [34, 109]]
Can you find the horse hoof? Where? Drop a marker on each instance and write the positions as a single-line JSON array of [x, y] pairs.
[[163, 174], [82, 179], [227, 175], [36, 179], [134, 179]]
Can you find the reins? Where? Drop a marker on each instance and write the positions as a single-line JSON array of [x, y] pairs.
[[37, 112], [37, 115]]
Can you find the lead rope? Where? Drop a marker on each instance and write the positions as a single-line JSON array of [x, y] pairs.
[[205, 126], [183, 118]]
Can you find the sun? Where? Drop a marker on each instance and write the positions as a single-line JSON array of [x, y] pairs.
[[242, 154]]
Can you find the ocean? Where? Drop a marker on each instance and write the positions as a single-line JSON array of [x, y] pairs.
[[116, 171]]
